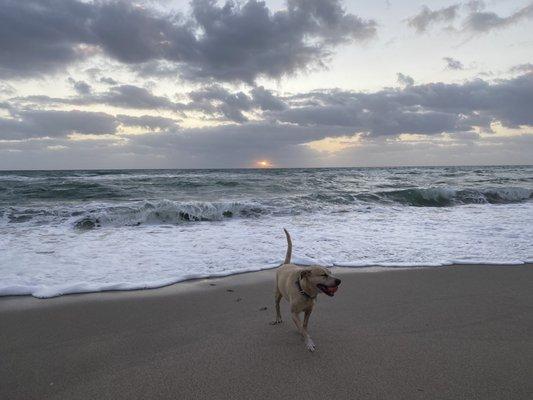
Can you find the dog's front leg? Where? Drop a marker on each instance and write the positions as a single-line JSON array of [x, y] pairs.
[[278, 311], [308, 341]]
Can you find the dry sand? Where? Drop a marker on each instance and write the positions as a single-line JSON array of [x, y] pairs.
[[460, 332]]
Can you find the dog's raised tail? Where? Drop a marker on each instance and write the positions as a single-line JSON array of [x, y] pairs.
[[289, 248]]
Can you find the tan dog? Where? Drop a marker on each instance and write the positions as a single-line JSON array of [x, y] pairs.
[[300, 286]]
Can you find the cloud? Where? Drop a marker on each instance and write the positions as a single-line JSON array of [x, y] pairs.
[[122, 96], [405, 80], [422, 109], [452, 63], [80, 87], [475, 21], [230, 42], [521, 68], [216, 99], [266, 100], [149, 122], [438, 113], [426, 17], [49, 123], [482, 22]]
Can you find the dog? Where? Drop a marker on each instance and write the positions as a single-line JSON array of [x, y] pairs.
[[300, 286]]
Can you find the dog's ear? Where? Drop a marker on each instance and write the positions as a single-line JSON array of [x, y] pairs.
[[305, 273]]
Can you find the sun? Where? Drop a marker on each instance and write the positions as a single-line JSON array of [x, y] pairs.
[[263, 164]]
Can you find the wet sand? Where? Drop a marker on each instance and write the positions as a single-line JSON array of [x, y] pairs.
[[458, 332]]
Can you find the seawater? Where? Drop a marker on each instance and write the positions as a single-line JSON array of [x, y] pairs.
[[79, 231]]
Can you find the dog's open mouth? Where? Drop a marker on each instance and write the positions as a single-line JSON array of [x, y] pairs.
[[329, 290]]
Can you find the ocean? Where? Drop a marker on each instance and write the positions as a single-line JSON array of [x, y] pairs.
[[81, 231]]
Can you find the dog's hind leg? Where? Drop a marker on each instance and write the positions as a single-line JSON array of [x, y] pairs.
[[278, 311], [302, 328]]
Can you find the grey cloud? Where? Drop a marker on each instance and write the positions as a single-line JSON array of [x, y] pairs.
[[122, 96], [231, 42], [424, 109], [25, 124], [452, 63], [130, 96], [521, 68], [426, 17], [215, 99], [108, 80], [266, 100], [48, 123], [475, 21], [39, 36], [148, 121], [481, 21], [80, 87], [428, 110], [405, 80]]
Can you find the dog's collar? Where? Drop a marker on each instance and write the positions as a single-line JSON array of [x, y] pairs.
[[303, 292]]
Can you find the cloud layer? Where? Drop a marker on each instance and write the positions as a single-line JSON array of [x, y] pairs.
[[259, 122], [229, 42]]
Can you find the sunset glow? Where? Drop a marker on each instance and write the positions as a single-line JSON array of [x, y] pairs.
[[263, 164]]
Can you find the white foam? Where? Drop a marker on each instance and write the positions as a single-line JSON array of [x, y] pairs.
[[51, 260]]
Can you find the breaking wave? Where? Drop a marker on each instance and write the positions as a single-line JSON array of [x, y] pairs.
[[445, 197], [166, 212]]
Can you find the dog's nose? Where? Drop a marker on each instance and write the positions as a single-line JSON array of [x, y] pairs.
[[337, 282]]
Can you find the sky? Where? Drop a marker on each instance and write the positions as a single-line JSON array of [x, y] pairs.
[[298, 83]]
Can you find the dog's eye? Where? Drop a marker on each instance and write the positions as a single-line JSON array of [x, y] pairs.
[[325, 275]]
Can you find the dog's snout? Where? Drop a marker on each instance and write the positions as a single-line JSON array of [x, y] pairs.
[[337, 282]]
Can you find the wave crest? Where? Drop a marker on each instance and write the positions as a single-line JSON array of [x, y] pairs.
[[166, 212], [442, 197]]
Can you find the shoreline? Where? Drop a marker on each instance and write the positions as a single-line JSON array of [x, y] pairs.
[[338, 267], [462, 331]]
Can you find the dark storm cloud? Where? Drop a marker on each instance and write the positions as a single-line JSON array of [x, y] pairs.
[[426, 17], [231, 42], [48, 123], [452, 63]]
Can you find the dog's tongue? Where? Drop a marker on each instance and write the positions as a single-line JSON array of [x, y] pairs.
[[333, 289]]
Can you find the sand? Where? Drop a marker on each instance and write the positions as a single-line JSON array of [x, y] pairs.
[[459, 332]]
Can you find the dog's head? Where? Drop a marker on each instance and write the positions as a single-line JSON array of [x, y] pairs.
[[321, 278]]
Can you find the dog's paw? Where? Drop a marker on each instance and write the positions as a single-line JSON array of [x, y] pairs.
[[310, 345], [278, 321]]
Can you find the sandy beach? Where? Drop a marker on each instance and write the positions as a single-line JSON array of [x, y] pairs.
[[458, 332]]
